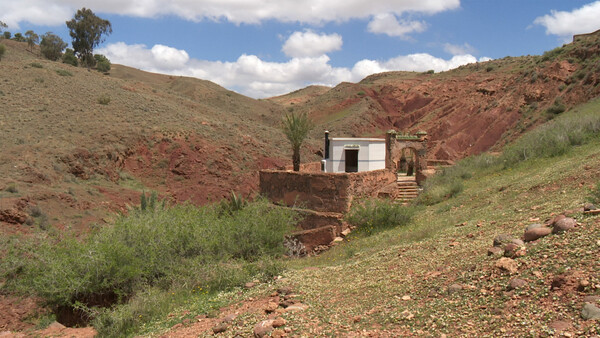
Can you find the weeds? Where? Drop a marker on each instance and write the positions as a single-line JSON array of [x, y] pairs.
[[376, 215], [162, 249], [103, 99], [63, 72], [36, 65]]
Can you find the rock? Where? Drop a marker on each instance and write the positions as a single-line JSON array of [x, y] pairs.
[[495, 251], [346, 232], [296, 307], [557, 218], [583, 284], [454, 288], [502, 239], [590, 312], [286, 303], [558, 282], [516, 283], [533, 226], [278, 322], [507, 264], [56, 326], [589, 207], [560, 325], [284, 290], [249, 285], [517, 242], [510, 250], [356, 319], [220, 328], [271, 307], [278, 333], [229, 318], [563, 225], [536, 233], [263, 328], [406, 297], [591, 299]]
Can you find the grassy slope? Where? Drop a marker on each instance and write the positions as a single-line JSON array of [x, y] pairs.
[[357, 287]]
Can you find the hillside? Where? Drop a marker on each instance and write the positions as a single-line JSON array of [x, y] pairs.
[[77, 159], [465, 111]]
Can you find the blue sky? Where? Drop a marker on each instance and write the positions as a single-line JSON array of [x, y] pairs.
[[262, 48]]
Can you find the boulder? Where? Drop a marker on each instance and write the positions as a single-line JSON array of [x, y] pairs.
[[563, 225], [516, 283], [502, 239], [533, 226], [590, 312], [536, 233], [510, 250], [495, 251], [263, 328], [589, 207], [454, 288], [507, 264], [278, 322]]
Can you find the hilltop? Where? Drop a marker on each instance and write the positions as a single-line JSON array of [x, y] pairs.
[[468, 110]]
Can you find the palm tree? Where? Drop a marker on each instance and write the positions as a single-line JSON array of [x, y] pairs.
[[296, 128]]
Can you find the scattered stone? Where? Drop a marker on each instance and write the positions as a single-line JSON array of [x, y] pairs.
[[507, 264], [589, 207], [263, 328], [286, 303], [452, 244], [557, 218], [558, 282], [406, 297], [356, 319], [536, 233], [278, 322], [454, 288], [502, 239], [284, 290], [516, 283], [249, 285], [279, 333], [296, 307], [583, 284], [510, 250], [533, 226], [590, 312], [346, 232], [517, 242], [56, 326], [591, 299], [407, 315], [271, 307], [229, 318], [495, 251], [220, 328], [563, 225]]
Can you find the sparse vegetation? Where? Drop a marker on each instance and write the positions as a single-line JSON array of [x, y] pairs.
[[36, 65], [167, 251], [63, 72], [104, 99], [2, 50], [375, 215]]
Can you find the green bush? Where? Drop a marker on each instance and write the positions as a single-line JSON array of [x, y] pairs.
[[70, 58], [36, 65], [167, 249], [52, 46], [102, 63], [556, 109], [375, 215]]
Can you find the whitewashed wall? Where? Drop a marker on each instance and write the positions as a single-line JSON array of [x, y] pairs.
[[371, 154]]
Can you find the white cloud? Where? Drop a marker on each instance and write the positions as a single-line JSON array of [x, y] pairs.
[[309, 44], [388, 24], [578, 21], [254, 77], [55, 12], [459, 49]]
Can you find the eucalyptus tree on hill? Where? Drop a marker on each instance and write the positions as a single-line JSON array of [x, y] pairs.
[[52, 46], [296, 128], [87, 31], [32, 39]]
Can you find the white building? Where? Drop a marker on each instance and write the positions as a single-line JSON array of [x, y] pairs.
[[353, 154]]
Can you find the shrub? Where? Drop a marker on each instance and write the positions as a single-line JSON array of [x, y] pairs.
[[70, 58], [102, 63], [376, 215], [7, 35], [52, 46], [2, 50], [556, 109], [489, 68], [36, 65], [104, 99], [63, 72], [12, 188], [159, 248]]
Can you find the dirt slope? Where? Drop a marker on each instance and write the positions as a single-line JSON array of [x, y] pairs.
[[468, 110]]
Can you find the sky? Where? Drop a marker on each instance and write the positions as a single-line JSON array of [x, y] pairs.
[[263, 48]]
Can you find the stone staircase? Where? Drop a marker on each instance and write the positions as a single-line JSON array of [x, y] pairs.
[[403, 190]]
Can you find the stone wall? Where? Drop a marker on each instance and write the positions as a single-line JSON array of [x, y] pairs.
[[307, 167], [324, 192]]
